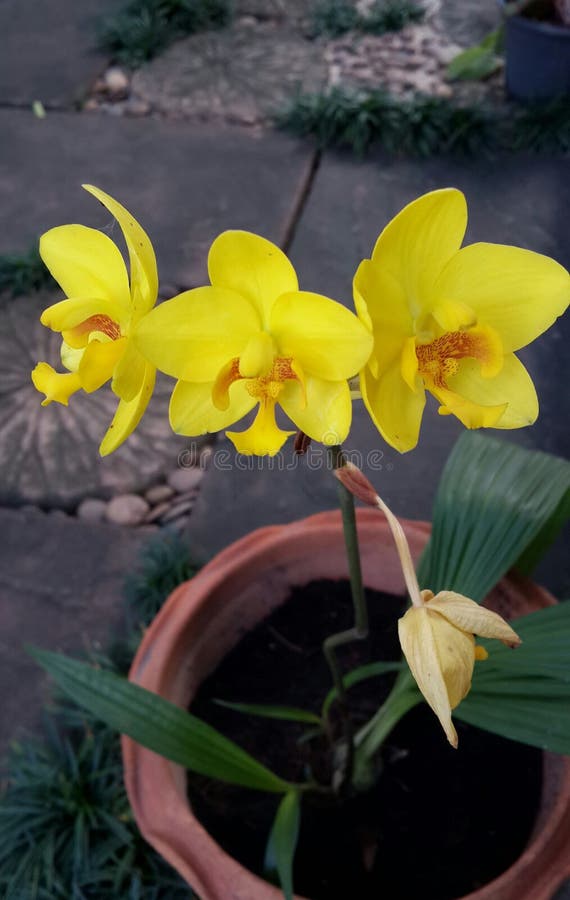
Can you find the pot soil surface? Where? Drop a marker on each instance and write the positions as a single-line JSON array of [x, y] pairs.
[[439, 823]]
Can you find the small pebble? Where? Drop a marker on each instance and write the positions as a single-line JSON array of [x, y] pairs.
[[127, 509], [116, 81], [180, 509], [155, 514], [136, 107], [159, 493], [92, 510], [182, 480]]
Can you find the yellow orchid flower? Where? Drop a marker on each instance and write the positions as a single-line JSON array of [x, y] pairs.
[[98, 319], [437, 638], [253, 338], [448, 320]]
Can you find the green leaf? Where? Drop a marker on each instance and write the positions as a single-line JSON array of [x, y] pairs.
[[283, 841], [370, 670], [478, 62], [540, 721], [269, 711], [524, 694], [158, 724], [494, 501]]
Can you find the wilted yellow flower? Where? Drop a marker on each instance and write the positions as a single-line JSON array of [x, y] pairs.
[[436, 633], [438, 642], [98, 319], [448, 320], [252, 338]]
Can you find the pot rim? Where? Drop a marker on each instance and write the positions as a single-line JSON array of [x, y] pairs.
[[170, 801], [555, 30]]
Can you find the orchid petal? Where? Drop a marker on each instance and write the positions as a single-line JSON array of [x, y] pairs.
[[57, 387], [192, 336], [251, 266], [517, 292], [420, 649], [323, 410], [98, 363], [129, 373], [394, 407], [144, 276], [128, 414], [472, 617], [416, 245], [192, 411], [508, 400], [263, 437], [322, 336], [86, 263]]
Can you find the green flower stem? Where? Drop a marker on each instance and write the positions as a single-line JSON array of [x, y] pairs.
[[360, 629], [403, 697]]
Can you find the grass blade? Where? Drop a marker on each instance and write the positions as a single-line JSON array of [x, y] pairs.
[[158, 724], [269, 711], [283, 841]]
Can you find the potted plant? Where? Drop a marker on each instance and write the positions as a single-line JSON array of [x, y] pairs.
[[430, 316], [537, 45]]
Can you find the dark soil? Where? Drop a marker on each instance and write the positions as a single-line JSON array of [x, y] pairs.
[[439, 823]]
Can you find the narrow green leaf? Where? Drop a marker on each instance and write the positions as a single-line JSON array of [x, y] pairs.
[[532, 554], [540, 721], [158, 724], [494, 500], [370, 670], [283, 841], [269, 711]]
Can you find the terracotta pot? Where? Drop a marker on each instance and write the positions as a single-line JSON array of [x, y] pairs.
[[204, 618]]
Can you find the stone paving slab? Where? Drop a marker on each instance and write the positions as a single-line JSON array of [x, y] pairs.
[[243, 74], [50, 53], [517, 201], [184, 184], [49, 455], [60, 589]]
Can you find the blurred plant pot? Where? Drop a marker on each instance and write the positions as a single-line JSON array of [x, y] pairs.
[[537, 59], [204, 618]]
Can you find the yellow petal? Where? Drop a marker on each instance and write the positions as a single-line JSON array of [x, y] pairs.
[[57, 388], [144, 276], [257, 358], [192, 411], [68, 314], [456, 653], [71, 357], [395, 409], [506, 401], [517, 292], [264, 437], [196, 333], [473, 618], [129, 373], [416, 245], [98, 363], [86, 263], [323, 337], [382, 305], [419, 648], [253, 267], [323, 411], [128, 414]]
